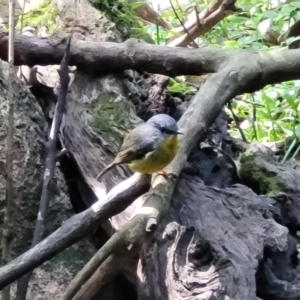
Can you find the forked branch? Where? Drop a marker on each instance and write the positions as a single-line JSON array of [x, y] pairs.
[[235, 72], [223, 87]]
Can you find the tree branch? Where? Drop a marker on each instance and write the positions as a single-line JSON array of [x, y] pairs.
[[201, 108], [134, 232], [182, 24], [7, 230], [119, 245], [51, 158], [238, 71], [238, 75], [118, 199], [104, 57], [200, 23], [103, 275], [261, 67]]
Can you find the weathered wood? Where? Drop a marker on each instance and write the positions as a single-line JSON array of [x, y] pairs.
[[78, 226], [51, 159], [158, 199], [7, 230], [99, 58], [201, 247]]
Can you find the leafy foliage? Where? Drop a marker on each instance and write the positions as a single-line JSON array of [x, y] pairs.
[[271, 114], [41, 16], [121, 13], [179, 86]]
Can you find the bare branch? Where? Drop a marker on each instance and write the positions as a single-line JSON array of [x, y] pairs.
[[118, 199], [51, 157], [183, 26], [264, 67], [118, 245], [200, 23], [7, 232], [237, 123], [104, 57], [135, 231], [103, 275], [236, 72]]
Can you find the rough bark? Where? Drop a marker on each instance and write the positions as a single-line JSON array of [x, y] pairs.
[[7, 232], [74, 230], [51, 160], [200, 248], [28, 167], [229, 216], [102, 58], [201, 108]]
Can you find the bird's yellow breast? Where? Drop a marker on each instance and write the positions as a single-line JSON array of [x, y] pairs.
[[158, 159]]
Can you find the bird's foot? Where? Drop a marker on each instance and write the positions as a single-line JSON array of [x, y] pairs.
[[167, 175], [163, 173]]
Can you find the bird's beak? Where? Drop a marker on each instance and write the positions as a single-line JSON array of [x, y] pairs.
[[177, 132]]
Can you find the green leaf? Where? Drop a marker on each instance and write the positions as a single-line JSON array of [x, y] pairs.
[[269, 14], [135, 5]]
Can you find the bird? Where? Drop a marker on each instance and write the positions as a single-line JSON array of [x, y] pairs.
[[149, 147]]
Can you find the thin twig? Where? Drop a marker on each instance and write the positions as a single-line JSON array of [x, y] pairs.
[[7, 232], [51, 158], [237, 123], [249, 102], [21, 29], [182, 24], [254, 117]]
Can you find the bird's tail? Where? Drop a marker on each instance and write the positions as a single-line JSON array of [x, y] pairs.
[[109, 167]]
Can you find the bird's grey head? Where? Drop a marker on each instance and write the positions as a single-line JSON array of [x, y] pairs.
[[166, 124]]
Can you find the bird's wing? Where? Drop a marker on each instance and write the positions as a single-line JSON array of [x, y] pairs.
[[137, 145]]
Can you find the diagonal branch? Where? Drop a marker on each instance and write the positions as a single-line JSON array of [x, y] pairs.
[[222, 86], [200, 23], [182, 24], [120, 245], [118, 199], [102, 276], [237, 72], [51, 158]]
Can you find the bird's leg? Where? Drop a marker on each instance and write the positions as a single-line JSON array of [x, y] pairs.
[[163, 173], [167, 175]]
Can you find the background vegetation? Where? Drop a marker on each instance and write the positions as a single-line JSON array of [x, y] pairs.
[[271, 114]]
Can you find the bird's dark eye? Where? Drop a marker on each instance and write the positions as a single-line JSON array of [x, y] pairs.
[[165, 130]]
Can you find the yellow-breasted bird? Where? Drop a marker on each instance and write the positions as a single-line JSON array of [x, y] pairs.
[[149, 147]]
